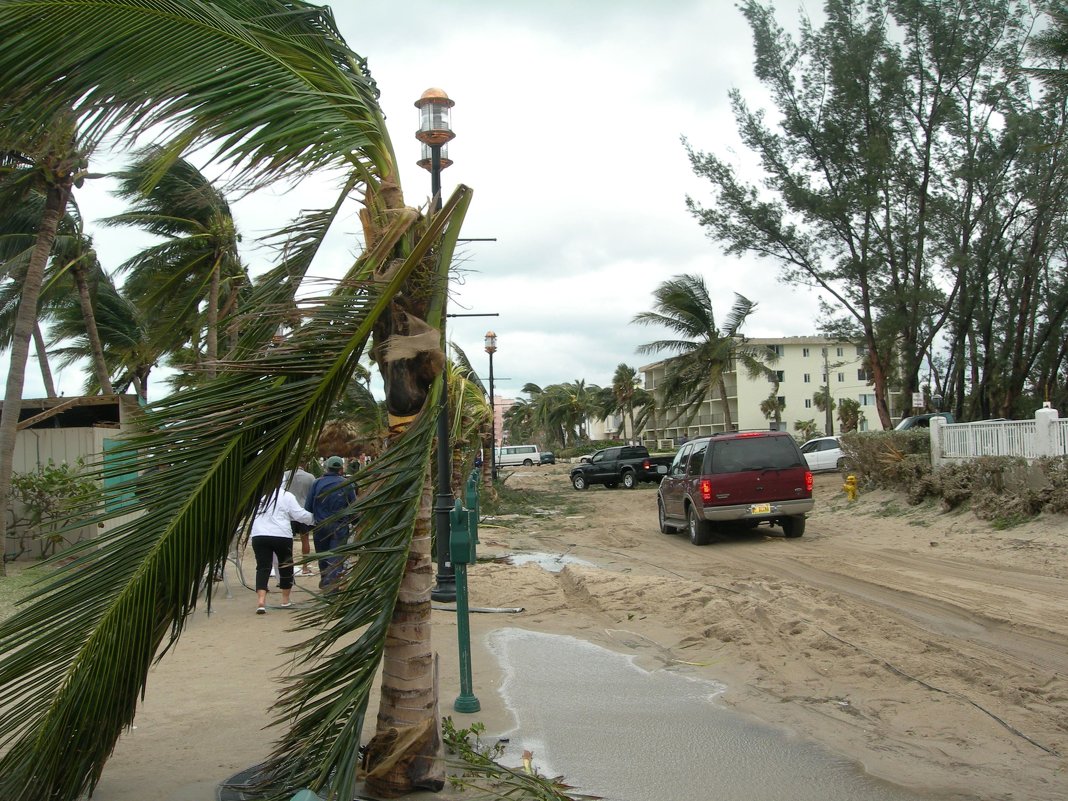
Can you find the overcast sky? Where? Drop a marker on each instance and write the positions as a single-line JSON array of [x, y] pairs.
[[568, 121]]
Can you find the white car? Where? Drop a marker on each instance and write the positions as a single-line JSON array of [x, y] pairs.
[[823, 453]]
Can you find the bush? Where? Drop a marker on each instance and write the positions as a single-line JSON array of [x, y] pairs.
[[998, 488], [42, 504]]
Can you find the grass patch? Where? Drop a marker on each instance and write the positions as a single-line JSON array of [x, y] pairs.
[[531, 502], [1009, 521], [15, 585], [888, 509]]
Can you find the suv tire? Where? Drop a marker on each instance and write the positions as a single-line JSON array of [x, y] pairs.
[[698, 529], [793, 526], [578, 481], [630, 481], [665, 527]]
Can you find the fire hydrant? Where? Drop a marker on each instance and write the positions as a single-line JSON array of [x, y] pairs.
[[850, 487]]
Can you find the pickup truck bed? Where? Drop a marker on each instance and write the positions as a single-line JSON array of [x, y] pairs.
[[628, 465]]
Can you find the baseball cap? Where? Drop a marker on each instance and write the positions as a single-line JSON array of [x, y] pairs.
[[335, 463]]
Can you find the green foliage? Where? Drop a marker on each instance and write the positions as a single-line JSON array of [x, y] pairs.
[[475, 768], [530, 502], [807, 429], [704, 352], [998, 488], [849, 414], [43, 500]]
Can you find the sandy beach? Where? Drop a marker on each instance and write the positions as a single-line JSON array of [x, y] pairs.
[[928, 647]]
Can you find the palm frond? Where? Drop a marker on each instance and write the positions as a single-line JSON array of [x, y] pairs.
[[297, 78], [78, 655]]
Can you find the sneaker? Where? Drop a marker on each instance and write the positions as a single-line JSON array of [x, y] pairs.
[[306, 572], [261, 610], [286, 605]]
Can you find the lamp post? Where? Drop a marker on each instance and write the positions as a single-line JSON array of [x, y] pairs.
[[491, 348], [434, 133]]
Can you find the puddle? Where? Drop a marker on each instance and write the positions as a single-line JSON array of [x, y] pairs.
[[553, 562], [615, 730]]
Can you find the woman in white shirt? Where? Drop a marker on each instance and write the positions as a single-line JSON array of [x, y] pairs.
[[272, 535]]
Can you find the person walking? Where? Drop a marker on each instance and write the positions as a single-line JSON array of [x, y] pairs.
[[329, 496], [272, 536], [299, 482]]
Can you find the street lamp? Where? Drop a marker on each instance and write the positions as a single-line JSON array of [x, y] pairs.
[[434, 133], [491, 348]]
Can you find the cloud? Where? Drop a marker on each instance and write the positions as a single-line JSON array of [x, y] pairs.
[[568, 121]]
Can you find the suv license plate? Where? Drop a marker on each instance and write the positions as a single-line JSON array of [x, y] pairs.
[[760, 509]]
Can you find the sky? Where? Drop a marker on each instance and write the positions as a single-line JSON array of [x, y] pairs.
[[568, 120]]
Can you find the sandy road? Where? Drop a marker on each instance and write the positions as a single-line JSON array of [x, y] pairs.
[[930, 646]]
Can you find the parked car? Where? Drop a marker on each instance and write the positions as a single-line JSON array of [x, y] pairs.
[[548, 457], [511, 455], [922, 420], [628, 465], [823, 453], [754, 477]]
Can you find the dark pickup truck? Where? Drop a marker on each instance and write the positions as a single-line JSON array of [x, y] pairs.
[[626, 464]]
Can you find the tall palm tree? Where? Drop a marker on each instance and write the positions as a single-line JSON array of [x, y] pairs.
[[705, 353], [197, 262], [270, 87], [124, 334], [47, 150]]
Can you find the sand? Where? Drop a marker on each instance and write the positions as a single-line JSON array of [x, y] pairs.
[[931, 648]]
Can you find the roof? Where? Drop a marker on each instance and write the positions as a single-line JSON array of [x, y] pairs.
[[79, 411]]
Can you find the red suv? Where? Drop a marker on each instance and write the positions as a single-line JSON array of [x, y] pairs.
[[750, 476]]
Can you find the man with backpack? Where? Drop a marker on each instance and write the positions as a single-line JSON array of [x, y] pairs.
[[328, 498]]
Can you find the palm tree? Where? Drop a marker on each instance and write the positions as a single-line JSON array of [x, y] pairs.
[[705, 352], [270, 87], [46, 151], [197, 260]]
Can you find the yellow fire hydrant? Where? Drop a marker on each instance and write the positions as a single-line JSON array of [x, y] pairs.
[[850, 487]]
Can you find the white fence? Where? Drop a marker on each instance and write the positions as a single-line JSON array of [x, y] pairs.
[[1046, 435]]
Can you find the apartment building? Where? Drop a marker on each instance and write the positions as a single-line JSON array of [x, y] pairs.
[[803, 365]]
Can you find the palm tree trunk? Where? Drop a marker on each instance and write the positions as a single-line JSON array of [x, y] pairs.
[[100, 368], [211, 344], [42, 359], [728, 421], [25, 321], [407, 726]]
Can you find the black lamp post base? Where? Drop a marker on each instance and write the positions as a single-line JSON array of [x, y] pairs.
[[445, 590]]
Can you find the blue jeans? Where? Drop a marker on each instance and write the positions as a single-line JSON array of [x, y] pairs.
[[331, 567]]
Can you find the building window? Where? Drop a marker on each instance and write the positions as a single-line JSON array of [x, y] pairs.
[[840, 352], [866, 399], [782, 401], [777, 350], [804, 352], [864, 375], [808, 403], [823, 351], [824, 378], [861, 351], [808, 378], [841, 377]]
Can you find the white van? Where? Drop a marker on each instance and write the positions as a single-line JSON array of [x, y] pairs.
[[510, 455]]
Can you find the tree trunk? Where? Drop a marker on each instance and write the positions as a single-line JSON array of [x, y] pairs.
[[25, 321], [406, 752], [211, 340], [728, 421], [100, 368], [42, 359]]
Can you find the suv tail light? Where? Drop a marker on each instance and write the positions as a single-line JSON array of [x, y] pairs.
[[808, 480], [706, 489], [646, 464]]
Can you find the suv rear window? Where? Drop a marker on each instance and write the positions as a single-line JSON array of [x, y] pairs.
[[755, 453]]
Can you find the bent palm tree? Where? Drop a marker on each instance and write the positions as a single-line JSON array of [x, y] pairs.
[[705, 353], [197, 261], [271, 85]]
